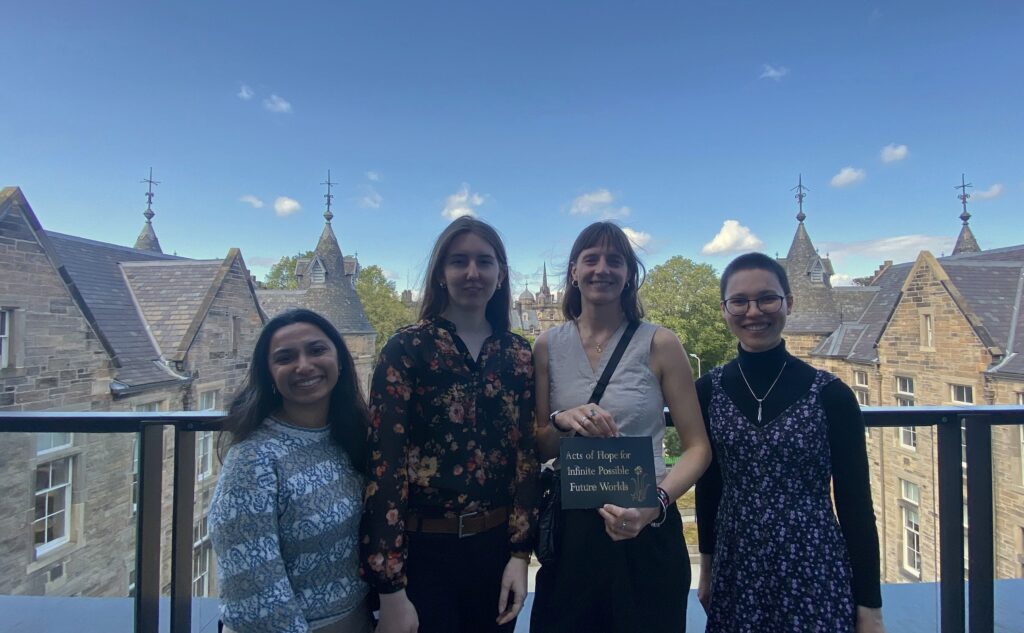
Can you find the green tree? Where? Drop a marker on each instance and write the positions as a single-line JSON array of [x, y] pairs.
[[684, 297], [282, 274], [381, 303]]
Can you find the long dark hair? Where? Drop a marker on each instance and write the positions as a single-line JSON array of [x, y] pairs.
[[606, 234], [435, 298], [347, 416]]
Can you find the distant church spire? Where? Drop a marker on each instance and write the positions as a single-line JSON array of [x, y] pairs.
[[147, 240], [800, 195], [965, 242], [328, 215], [544, 281]]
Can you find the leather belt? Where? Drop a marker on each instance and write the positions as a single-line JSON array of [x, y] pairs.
[[463, 525]]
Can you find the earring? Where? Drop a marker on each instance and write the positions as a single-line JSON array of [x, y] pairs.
[[575, 284], [442, 284], [626, 287], [273, 389], [499, 286]]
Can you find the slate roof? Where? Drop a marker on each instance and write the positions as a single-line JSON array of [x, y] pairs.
[[94, 270], [170, 294], [851, 301], [814, 308]]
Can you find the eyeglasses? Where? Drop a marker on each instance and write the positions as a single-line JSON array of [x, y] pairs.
[[768, 304]]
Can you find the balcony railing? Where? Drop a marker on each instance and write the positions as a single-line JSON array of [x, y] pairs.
[[947, 421]]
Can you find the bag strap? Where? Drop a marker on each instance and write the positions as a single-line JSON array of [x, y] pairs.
[[609, 369]]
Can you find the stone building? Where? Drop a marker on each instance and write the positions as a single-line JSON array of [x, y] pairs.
[[327, 285], [935, 331], [534, 314], [92, 326]]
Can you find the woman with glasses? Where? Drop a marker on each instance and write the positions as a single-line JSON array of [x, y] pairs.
[[784, 436]]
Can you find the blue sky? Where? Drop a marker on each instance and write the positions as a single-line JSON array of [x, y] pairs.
[[684, 121]]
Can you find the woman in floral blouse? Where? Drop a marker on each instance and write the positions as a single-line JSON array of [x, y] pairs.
[[451, 501]]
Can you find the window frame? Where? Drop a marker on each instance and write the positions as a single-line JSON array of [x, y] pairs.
[[204, 439], [201, 557], [910, 513], [927, 330], [968, 391], [6, 318], [47, 546]]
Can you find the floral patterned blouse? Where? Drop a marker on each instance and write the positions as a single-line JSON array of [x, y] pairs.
[[449, 434]]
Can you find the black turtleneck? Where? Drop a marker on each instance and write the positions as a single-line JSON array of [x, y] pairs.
[[850, 479]]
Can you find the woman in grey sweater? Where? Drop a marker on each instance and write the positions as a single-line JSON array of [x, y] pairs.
[[285, 516]]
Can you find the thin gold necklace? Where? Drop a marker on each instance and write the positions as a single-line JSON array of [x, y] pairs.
[[598, 346], [751, 390]]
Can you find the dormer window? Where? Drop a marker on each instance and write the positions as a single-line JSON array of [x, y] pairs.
[[818, 272], [317, 274]]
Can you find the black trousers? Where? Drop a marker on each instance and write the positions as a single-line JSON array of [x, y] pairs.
[[602, 586], [455, 583]]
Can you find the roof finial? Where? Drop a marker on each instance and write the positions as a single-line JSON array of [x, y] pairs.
[[327, 214], [800, 195], [965, 216], [149, 197]]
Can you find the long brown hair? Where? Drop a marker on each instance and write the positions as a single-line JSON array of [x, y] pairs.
[[435, 298], [347, 417], [610, 235]]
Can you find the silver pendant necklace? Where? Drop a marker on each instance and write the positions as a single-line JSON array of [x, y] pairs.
[[761, 399]]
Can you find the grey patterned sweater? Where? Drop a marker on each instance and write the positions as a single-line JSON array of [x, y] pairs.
[[285, 526]]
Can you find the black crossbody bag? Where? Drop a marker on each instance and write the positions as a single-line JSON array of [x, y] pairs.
[[549, 525]]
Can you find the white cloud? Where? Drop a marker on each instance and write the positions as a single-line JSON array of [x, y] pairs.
[[285, 206], [774, 72], [639, 238], [275, 103], [732, 238], [251, 200], [841, 279], [371, 199], [900, 248], [373, 175], [992, 192], [462, 202], [598, 202], [245, 93], [893, 152], [848, 176]]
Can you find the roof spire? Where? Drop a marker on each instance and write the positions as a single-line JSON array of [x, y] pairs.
[[965, 242], [149, 196], [327, 214], [800, 195], [963, 186], [147, 240]]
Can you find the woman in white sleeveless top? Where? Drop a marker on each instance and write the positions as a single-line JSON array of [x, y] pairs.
[[618, 570]]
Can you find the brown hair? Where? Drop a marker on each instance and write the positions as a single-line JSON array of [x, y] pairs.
[[610, 235], [435, 298]]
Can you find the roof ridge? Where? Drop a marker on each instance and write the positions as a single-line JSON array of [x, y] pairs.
[[129, 249]]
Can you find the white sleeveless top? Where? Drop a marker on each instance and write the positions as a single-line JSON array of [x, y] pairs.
[[633, 396]]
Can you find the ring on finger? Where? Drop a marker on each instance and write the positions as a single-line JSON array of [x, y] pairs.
[[593, 412], [625, 524]]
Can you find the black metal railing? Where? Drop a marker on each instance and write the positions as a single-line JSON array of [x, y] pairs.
[[978, 422]]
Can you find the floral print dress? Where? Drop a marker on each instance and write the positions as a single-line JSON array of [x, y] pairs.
[[780, 561], [449, 435]]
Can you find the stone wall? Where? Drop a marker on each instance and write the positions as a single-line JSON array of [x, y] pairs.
[[955, 357]]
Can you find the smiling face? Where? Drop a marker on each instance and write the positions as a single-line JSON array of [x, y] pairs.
[[601, 273], [470, 272], [303, 363], [756, 331]]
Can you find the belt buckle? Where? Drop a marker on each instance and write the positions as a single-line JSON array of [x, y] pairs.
[[463, 517]]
